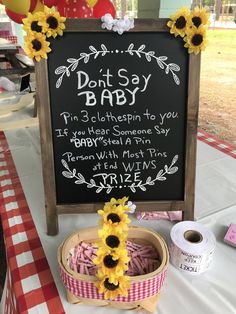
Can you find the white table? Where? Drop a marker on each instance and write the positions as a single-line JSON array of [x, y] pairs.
[[210, 293]]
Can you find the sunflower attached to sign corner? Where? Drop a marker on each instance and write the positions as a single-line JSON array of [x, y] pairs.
[[179, 22], [196, 40], [36, 46], [39, 26], [31, 24], [199, 17], [191, 26], [53, 22]]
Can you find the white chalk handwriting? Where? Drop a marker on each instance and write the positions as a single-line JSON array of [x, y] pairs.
[[103, 51], [108, 187]]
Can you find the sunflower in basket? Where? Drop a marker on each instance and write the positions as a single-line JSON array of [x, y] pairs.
[[112, 289], [112, 238], [112, 255], [114, 202], [115, 217], [112, 264]]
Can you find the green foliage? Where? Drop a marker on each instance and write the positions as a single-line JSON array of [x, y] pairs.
[[208, 2]]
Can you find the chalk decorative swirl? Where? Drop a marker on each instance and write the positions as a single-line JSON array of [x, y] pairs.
[[169, 68], [80, 179], [103, 51], [74, 62]]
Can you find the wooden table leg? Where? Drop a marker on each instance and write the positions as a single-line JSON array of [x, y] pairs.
[[36, 103], [13, 61]]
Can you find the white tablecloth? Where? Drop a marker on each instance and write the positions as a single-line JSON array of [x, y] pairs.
[[211, 293]]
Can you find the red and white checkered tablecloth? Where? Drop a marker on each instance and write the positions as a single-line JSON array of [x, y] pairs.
[[30, 285], [216, 143], [12, 39]]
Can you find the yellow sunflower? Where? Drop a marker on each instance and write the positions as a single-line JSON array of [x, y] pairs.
[[196, 40], [179, 22], [199, 17], [112, 238], [32, 23], [36, 46], [112, 264], [111, 290], [115, 217], [113, 202], [53, 22]]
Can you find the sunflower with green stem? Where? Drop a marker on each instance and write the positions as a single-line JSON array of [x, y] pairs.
[[36, 46], [196, 40], [179, 22], [52, 22], [199, 17], [112, 289]]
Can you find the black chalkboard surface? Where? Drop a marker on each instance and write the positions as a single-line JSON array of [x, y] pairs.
[[121, 117]]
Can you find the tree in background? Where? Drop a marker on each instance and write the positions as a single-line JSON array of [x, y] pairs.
[[208, 3], [218, 6]]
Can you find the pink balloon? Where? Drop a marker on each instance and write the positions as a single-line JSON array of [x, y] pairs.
[[15, 16]]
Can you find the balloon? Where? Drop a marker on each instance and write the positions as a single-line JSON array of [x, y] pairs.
[[51, 3], [91, 3], [19, 7], [83, 10], [39, 7], [32, 5], [15, 17], [77, 9], [61, 7], [103, 7]]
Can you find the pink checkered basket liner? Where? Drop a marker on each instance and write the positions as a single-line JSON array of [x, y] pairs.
[[82, 287]]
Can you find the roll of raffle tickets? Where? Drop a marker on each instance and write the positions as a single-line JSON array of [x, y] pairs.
[[192, 247]]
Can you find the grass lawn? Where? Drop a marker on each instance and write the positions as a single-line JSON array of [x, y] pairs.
[[218, 85]]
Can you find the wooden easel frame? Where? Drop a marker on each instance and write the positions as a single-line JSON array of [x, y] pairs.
[[52, 208]]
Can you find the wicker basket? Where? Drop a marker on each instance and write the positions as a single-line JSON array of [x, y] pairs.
[[144, 290]]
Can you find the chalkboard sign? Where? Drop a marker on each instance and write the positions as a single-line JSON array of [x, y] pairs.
[[118, 117]]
